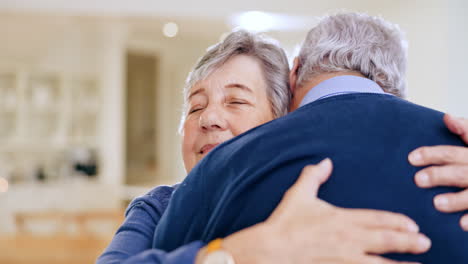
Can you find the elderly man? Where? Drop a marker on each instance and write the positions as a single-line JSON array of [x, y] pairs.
[[346, 82]]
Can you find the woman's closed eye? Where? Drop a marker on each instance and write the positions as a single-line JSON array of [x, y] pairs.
[[195, 109], [237, 102]]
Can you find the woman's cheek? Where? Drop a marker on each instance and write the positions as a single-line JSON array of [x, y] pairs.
[[240, 125]]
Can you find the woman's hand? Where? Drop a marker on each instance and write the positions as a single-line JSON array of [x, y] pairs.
[[451, 170], [305, 229]]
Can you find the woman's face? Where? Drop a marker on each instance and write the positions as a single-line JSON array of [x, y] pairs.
[[230, 101]]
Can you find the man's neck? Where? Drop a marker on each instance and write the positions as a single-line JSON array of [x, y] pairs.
[[301, 91]]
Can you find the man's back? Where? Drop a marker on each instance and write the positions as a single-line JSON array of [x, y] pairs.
[[367, 136]]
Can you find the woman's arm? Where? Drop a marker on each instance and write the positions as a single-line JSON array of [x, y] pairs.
[[132, 242], [302, 229], [183, 255]]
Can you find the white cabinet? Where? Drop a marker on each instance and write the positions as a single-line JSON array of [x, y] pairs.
[[43, 118], [8, 105], [43, 102], [85, 109]]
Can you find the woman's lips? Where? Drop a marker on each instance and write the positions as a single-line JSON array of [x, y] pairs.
[[207, 148]]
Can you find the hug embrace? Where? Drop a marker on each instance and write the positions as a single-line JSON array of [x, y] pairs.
[[322, 163]]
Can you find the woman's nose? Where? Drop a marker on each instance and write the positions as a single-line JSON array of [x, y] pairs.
[[211, 119]]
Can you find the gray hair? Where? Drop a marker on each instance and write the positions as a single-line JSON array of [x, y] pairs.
[[356, 42], [272, 59]]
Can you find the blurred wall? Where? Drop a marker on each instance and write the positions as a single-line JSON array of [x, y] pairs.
[[457, 88]]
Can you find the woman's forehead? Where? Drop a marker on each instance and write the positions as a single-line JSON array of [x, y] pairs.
[[241, 73], [227, 87]]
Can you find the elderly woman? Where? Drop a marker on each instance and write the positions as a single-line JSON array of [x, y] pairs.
[[241, 83]]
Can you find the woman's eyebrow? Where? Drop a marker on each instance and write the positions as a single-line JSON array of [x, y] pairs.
[[197, 91], [238, 86]]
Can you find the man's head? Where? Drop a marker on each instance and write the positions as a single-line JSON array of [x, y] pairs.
[[351, 43]]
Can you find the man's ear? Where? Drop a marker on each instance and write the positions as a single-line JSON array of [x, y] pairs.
[[293, 75]]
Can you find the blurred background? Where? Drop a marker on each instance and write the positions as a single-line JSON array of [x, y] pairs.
[[91, 95]]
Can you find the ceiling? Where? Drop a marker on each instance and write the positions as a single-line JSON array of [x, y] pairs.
[[199, 8], [207, 19], [203, 18]]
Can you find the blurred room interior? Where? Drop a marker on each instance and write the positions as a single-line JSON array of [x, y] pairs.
[[91, 95]]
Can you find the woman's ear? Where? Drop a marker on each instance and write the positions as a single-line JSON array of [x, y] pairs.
[[293, 75]]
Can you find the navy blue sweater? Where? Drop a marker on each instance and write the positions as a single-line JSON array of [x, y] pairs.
[[368, 137]]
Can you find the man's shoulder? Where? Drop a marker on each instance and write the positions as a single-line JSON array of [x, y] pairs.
[[363, 100], [363, 108]]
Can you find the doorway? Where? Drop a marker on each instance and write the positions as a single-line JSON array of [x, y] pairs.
[[141, 120]]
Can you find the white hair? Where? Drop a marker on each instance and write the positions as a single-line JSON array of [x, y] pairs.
[[356, 42], [271, 56]]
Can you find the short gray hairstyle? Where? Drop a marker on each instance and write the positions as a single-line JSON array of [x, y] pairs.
[[356, 42], [272, 59]]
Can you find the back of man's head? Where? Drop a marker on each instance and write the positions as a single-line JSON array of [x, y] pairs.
[[352, 42]]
